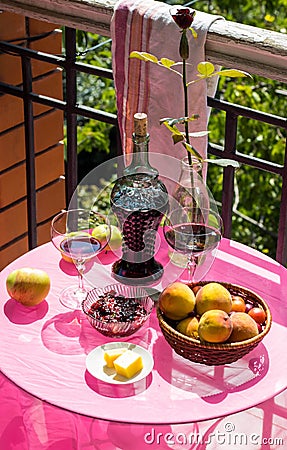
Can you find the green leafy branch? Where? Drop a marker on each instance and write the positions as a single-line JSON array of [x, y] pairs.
[[179, 136], [205, 70]]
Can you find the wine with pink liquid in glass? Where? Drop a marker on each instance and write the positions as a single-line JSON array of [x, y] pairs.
[[72, 235], [194, 232]]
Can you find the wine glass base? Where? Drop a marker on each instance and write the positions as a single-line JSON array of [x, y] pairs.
[[186, 280], [72, 297]]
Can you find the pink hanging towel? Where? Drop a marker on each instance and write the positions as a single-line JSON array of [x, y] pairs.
[[147, 26]]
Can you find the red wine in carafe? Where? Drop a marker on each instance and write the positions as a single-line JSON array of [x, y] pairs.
[[139, 210]]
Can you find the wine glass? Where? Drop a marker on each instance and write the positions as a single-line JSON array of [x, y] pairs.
[[71, 233], [193, 231]]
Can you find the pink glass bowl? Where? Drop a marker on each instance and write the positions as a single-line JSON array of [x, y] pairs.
[[117, 329]]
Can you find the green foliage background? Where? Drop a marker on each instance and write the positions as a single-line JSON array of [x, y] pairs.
[[95, 138], [257, 193]]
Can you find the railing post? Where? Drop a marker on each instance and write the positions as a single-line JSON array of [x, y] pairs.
[[281, 251], [228, 173], [30, 152], [71, 117]]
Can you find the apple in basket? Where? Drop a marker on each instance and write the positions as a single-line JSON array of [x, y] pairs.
[[211, 314], [28, 286], [177, 301]]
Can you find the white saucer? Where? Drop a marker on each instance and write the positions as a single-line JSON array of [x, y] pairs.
[[97, 367]]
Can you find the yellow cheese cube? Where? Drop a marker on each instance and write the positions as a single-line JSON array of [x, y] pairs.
[[112, 354], [128, 364]]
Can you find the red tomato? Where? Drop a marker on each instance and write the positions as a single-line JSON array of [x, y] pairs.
[[258, 314]]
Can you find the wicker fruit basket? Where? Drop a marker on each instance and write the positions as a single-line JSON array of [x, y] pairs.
[[214, 354]]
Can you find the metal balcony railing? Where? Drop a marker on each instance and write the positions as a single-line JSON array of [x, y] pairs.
[[69, 106], [259, 56]]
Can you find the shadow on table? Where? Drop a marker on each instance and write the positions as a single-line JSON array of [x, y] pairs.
[[71, 333], [62, 333], [211, 383], [23, 315], [105, 258], [117, 390]]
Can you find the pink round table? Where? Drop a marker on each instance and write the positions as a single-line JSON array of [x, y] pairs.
[[43, 349]]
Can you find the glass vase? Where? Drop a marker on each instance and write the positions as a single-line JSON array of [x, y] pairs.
[[190, 191]]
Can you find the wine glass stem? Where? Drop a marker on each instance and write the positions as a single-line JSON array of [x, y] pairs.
[[80, 268], [191, 266]]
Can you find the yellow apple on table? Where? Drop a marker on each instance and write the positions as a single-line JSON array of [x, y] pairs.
[[28, 286], [100, 233]]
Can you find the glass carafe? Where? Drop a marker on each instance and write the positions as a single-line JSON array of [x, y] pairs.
[[139, 199]]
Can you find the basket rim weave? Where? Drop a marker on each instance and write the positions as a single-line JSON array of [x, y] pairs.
[[231, 346]]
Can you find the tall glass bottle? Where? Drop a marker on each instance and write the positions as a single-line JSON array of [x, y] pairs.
[[139, 200]]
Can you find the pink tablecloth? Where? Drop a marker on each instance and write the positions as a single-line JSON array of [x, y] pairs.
[[43, 351]]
